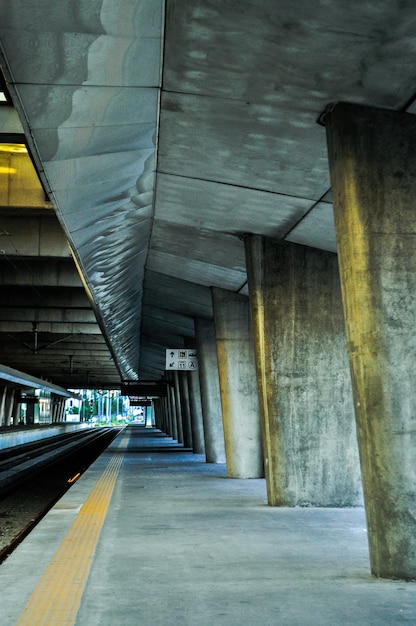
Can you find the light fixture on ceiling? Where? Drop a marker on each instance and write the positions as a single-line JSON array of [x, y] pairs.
[[13, 148]]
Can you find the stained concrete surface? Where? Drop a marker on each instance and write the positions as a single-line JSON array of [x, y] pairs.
[[184, 545]]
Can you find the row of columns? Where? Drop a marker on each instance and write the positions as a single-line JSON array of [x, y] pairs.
[[322, 353], [10, 403], [274, 396]]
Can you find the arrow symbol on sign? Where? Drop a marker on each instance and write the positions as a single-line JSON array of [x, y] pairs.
[[172, 354]]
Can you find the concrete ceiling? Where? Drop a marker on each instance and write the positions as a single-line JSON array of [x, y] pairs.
[[163, 132]]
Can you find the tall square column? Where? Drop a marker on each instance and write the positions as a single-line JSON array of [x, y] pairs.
[[238, 384], [195, 405], [3, 396], [210, 391], [373, 172], [310, 447]]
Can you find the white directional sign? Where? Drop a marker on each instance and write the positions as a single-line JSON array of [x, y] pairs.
[[180, 359]]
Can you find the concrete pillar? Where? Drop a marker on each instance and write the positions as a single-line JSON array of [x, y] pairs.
[[197, 424], [172, 409], [178, 406], [160, 414], [157, 412], [54, 408], [61, 413], [15, 409], [167, 417], [373, 171], [3, 395], [310, 446], [238, 385], [8, 406], [210, 391], [165, 425], [195, 406], [186, 412]]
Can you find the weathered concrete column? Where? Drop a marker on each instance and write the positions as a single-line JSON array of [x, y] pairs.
[[195, 407], [197, 424], [170, 417], [178, 406], [158, 413], [238, 385], [186, 412], [310, 447], [15, 409], [55, 408], [3, 396], [165, 424], [210, 391], [61, 417], [373, 171], [162, 417], [172, 410], [8, 406]]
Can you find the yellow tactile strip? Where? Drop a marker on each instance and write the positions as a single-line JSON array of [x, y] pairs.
[[56, 599]]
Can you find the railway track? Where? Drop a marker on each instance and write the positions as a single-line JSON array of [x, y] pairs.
[[34, 476]]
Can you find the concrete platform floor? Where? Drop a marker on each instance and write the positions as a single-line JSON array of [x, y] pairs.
[[182, 545]]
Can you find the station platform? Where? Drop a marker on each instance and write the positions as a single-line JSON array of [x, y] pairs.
[[18, 435], [151, 535]]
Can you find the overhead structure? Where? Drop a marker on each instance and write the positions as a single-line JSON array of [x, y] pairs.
[[20, 379], [162, 133]]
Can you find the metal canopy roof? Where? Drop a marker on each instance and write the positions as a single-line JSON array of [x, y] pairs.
[[21, 380], [162, 132]]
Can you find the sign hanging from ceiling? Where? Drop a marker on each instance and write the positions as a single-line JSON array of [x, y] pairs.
[[181, 359]]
